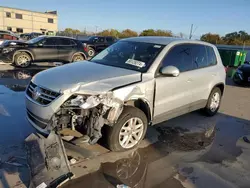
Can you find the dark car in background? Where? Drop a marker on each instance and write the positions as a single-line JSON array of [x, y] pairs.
[[42, 49], [242, 75], [29, 36], [7, 36], [96, 44]]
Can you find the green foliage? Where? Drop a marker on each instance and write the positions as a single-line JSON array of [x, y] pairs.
[[211, 38], [152, 32], [128, 33], [234, 38]]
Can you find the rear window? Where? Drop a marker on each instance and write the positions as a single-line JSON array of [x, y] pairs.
[[7, 37]]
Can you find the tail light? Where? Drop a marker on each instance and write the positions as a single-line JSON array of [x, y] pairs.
[[85, 48]]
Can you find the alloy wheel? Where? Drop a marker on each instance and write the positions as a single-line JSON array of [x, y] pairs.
[[131, 132], [215, 102]]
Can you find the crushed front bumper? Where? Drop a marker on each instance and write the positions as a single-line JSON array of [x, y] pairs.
[[47, 160]]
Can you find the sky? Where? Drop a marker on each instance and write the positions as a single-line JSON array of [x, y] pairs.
[[215, 16]]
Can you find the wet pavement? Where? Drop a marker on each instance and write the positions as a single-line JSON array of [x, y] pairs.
[[182, 152]]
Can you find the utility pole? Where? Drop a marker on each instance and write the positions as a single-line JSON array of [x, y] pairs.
[[96, 27], [191, 32]]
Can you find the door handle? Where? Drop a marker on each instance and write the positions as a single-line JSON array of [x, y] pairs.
[[189, 80], [214, 74]]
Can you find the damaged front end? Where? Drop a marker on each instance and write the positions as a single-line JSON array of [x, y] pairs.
[[83, 116]]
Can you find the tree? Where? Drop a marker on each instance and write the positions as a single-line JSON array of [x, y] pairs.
[[152, 32], [71, 31], [148, 32], [211, 38], [128, 33], [109, 32]]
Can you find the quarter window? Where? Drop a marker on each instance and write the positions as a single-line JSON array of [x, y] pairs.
[[19, 16]]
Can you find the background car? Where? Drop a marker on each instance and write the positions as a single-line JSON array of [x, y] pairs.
[[42, 49], [96, 44], [242, 75], [29, 36], [7, 36]]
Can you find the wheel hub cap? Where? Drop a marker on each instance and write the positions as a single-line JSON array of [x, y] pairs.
[[131, 132], [215, 101]]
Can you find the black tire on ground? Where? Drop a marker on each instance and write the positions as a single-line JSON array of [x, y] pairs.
[[78, 57], [112, 133], [22, 59], [207, 109], [91, 52]]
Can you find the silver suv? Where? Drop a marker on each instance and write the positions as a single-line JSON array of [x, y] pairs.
[[134, 83]]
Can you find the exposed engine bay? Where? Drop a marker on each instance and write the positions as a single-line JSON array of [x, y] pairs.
[[84, 116]]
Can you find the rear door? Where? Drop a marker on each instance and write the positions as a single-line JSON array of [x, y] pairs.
[[204, 74], [46, 50], [109, 41], [66, 49]]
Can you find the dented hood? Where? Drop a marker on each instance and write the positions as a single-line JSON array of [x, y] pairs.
[[85, 76]]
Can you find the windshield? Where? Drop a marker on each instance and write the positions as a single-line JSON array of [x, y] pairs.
[[129, 55], [35, 40]]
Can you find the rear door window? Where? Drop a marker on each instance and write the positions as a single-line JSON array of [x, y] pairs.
[[211, 57], [64, 42], [199, 56], [100, 40], [109, 39], [50, 42], [179, 56]]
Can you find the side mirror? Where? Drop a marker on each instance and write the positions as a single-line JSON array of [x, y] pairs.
[[170, 71], [40, 44]]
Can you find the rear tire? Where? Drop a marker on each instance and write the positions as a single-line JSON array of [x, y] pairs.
[[129, 130], [78, 57], [22, 60], [213, 103]]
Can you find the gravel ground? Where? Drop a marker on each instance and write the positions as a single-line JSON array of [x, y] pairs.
[[168, 157]]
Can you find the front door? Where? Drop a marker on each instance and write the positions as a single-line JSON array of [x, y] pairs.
[[46, 50], [173, 94]]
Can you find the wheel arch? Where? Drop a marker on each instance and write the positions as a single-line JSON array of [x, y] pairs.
[[221, 86], [20, 51], [141, 104]]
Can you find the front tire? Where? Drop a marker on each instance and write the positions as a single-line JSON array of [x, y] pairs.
[[22, 60], [213, 103], [129, 130], [91, 52]]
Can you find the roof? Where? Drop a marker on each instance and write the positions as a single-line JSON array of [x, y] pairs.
[[161, 40], [232, 47], [47, 12], [48, 36]]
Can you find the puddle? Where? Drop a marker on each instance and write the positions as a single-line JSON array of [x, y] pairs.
[[17, 79], [150, 166]]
